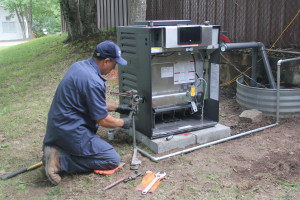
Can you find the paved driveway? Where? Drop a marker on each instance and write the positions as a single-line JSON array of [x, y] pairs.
[[10, 43]]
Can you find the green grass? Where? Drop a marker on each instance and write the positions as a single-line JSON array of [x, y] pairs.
[[28, 66], [292, 186], [29, 75], [291, 190], [3, 47]]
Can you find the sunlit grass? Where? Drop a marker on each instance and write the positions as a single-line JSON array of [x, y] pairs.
[[29, 75]]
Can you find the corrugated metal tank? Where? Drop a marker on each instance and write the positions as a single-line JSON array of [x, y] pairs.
[[264, 99]]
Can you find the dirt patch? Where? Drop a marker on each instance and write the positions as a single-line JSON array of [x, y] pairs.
[[230, 111], [282, 166]]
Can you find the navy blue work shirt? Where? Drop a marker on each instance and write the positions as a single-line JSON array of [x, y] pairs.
[[78, 102]]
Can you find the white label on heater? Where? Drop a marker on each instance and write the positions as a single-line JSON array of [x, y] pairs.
[[214, 81], [184, 72], [166, 72]]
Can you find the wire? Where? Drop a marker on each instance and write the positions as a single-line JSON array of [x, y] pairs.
[[285, 29], [272, 46], [205, 89], [233, 80], [241, 73]]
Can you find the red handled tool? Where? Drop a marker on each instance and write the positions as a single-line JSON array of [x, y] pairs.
[[123, 180]]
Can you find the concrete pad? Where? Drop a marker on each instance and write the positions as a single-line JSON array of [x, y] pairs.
[[178, 141], [217, 132], [161, 145]]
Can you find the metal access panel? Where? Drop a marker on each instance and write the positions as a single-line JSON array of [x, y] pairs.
[[176, 74]]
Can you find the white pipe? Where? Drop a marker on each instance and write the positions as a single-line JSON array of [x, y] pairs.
[[153, 158], [278, 84]]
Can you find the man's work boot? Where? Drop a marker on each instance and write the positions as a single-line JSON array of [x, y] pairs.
[[52, 164]]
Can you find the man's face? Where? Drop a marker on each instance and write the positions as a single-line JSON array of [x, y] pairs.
[[109, 65]]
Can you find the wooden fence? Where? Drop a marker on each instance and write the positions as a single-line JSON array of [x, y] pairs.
[[112, 13], [243, 20]]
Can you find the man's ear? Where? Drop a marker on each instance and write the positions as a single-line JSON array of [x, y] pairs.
[[106, 60]]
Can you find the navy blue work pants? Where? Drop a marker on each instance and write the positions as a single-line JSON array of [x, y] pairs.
[[106, 160]]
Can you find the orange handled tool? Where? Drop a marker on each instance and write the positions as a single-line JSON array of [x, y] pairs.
[[108, 172]]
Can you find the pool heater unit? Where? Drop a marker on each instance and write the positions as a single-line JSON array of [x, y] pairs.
[[174, 67]]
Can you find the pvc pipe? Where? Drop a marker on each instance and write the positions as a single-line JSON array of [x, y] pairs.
[[278, 83], [241, 45], [254, 68], [278, 89], [256, 45], [267, 66]]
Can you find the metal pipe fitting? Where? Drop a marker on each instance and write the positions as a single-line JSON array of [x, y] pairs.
[[254, 45], [241, 45], [278, 83]]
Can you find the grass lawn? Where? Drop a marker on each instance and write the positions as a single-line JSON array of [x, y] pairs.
[[29, 75], [3, 48]]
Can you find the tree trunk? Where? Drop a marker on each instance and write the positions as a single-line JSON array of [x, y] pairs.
[[25, 12], [29, 21], [30, 32], [137, 11], [21, 21], [80, 17], [88, 16]]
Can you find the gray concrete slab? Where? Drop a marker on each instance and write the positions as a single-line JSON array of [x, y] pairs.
[[161, 145], [217, 132]]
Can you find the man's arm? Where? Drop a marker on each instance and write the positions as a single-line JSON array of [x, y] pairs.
[[111, 107], [110, 122], [121, 108]]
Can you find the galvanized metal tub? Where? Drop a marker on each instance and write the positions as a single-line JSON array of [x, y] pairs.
[[264, 99]]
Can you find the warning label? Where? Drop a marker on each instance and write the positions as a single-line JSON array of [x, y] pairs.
[[184, 72]]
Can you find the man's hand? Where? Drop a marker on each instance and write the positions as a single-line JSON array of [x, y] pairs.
[[124, 109], [127, 122]]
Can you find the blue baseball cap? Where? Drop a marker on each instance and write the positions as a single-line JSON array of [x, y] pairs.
[[108, 49]]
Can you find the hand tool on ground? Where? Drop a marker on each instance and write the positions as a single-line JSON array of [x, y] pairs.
[[123, 180], [10, 175], [158, 176]]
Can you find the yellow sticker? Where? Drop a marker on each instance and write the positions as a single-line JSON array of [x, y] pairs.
[[193, 91]]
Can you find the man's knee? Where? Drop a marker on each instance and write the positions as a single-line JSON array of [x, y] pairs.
[[115, 158]]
